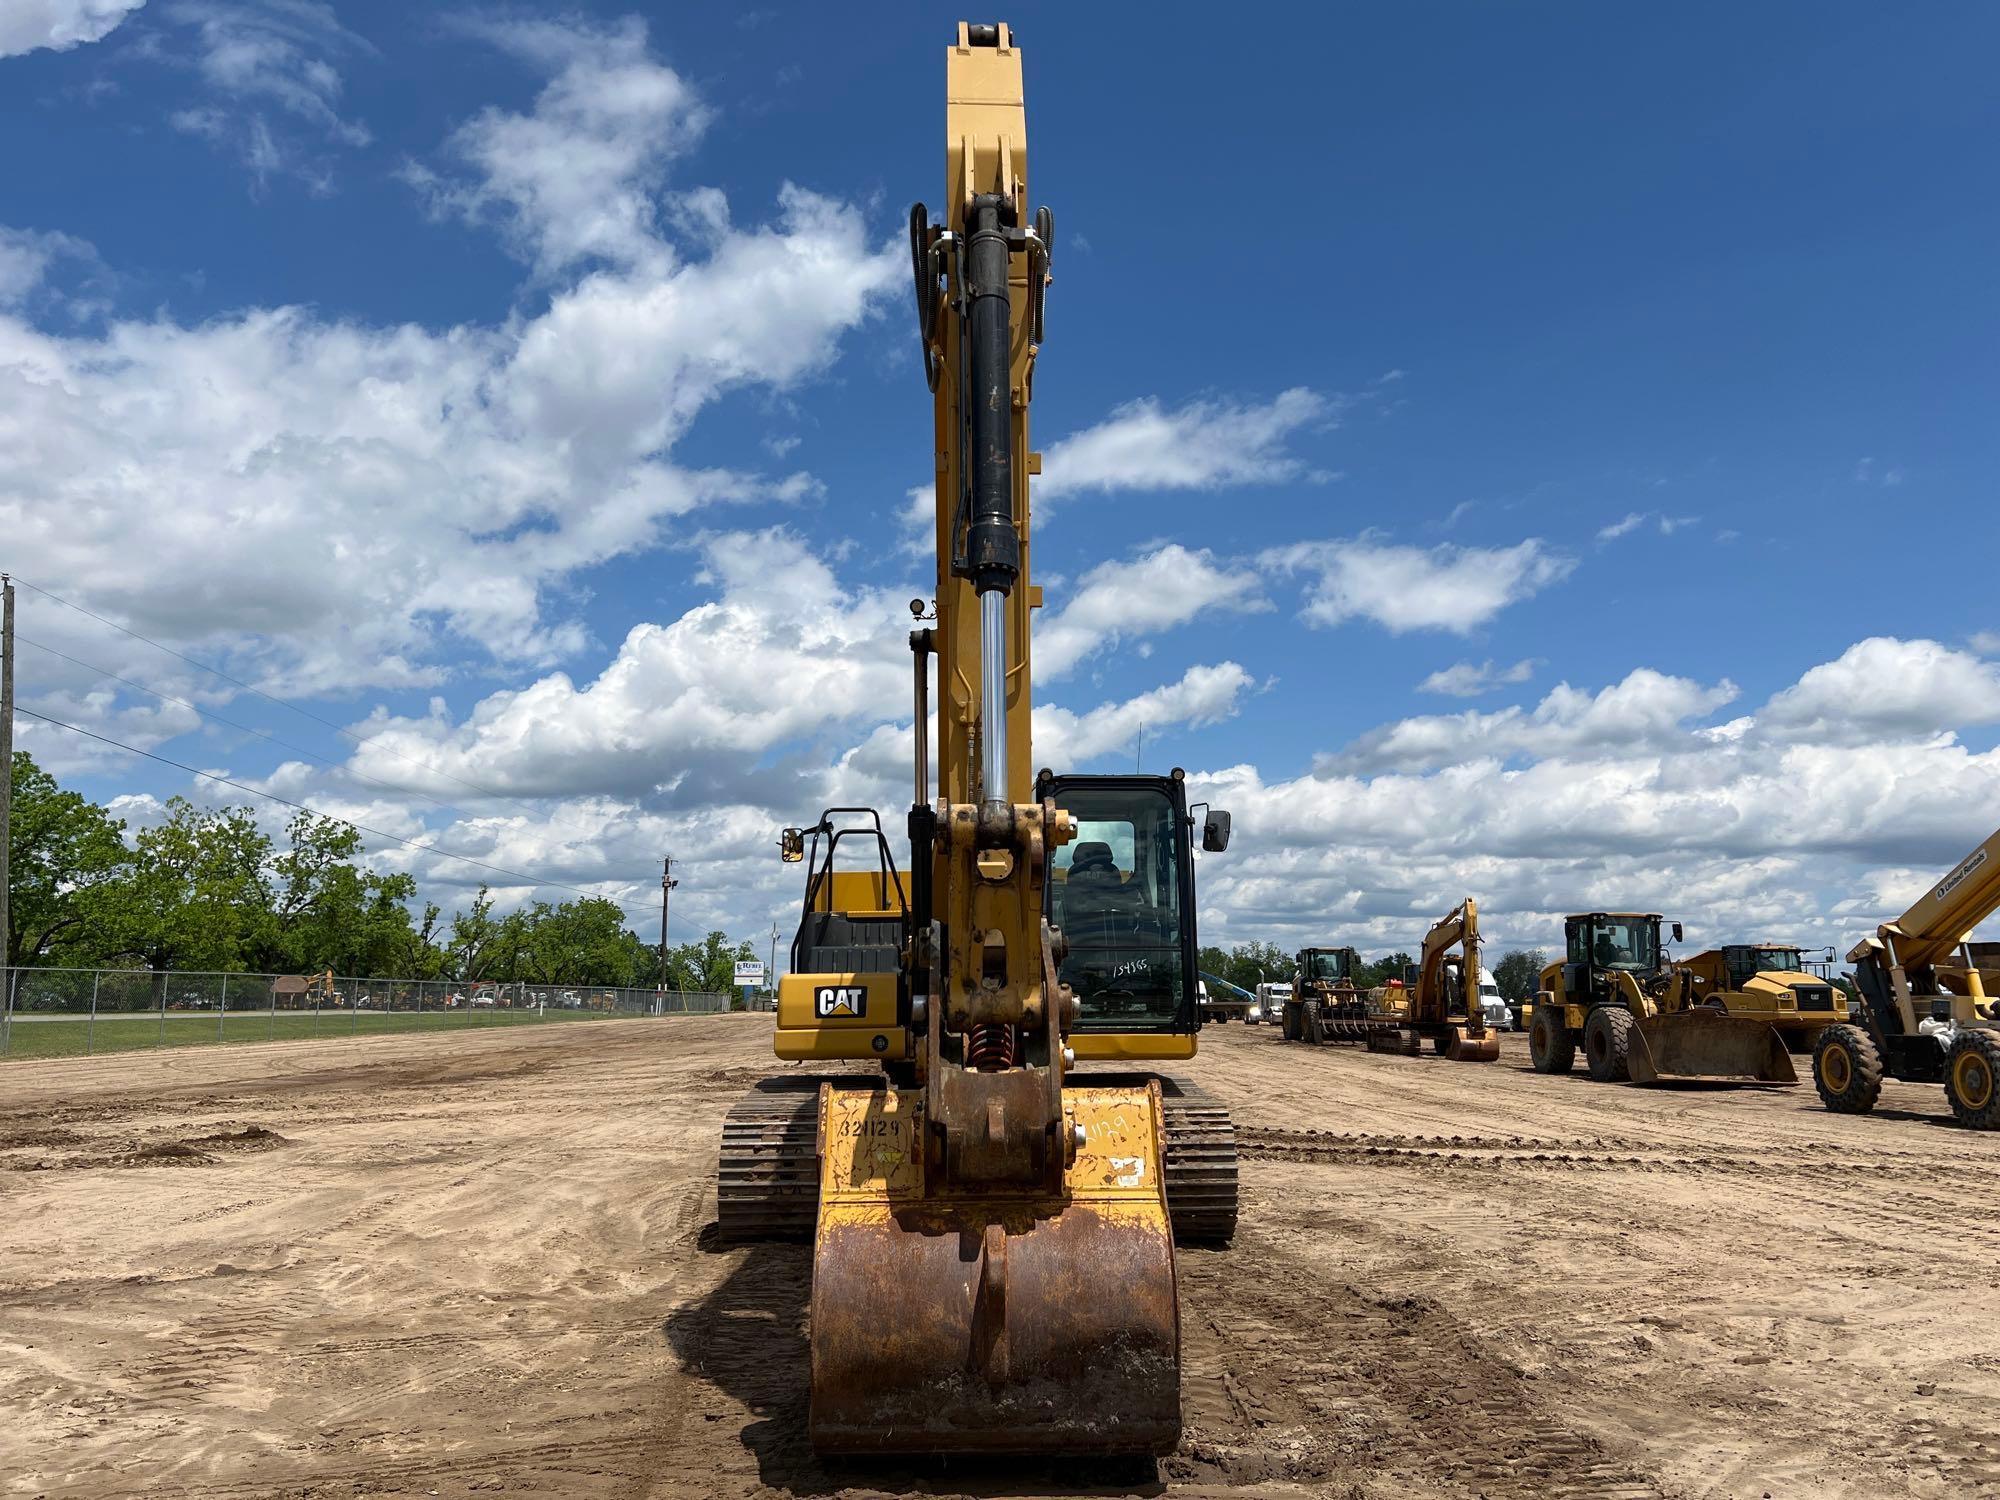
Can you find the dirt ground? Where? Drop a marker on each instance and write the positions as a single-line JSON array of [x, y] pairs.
[[413, 1266]]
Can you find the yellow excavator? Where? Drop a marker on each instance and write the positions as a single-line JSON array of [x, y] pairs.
[[1926, 1014], [1618, 992], [1441, 1005], [993, 1232]]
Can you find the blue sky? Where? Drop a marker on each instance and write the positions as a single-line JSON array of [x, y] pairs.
[[1476, 436]]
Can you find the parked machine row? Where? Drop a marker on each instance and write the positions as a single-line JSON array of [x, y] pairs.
[[1927, 1010]]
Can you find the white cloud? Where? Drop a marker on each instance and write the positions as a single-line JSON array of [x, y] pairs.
[[1985, 642], [25, 258], [1203, 695], [1665, 524], [1615, 799], [1168, 587], [1203, 445], [1884, 687], [272, 88], [328, 504], [1416, 588], [26, 25], [575, 179], [1468, 680], [783, 654], [1638, 714]]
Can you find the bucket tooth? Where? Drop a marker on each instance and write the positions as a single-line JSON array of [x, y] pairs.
[[949, 1323]]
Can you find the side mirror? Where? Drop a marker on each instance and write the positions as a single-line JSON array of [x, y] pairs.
[[792, 845], [1215, 831], [1677, 932]]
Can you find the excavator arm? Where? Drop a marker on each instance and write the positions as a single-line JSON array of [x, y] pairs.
[[1464, 1038]]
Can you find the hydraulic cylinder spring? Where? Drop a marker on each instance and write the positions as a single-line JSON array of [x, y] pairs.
[[991, 1047]]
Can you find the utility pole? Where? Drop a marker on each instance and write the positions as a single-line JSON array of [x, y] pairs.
[[771, 974], [6, 783], [667, 884]]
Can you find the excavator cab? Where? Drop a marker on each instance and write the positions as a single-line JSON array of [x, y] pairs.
[[1121, 893], [844, 995]]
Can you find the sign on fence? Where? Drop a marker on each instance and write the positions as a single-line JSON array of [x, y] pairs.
[[750, 973]]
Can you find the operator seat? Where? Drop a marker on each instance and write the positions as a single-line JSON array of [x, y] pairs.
[[1097, 907]]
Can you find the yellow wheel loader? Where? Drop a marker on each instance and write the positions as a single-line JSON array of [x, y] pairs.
[[1441, 1005], [1326, 1004], [1635, 1014], [1926, 1013], [993, 1231], [1770, 982]]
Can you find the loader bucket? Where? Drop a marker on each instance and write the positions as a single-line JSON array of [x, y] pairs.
[[955, 1324], [1707, 1043]]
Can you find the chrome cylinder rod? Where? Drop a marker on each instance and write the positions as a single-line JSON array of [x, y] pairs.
[[993, 695]]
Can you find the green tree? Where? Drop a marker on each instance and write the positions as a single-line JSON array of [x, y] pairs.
[[1519, 974], [482, 946], [575, 942], [194, 895], [326, 912], [707, 965], [62, 847]]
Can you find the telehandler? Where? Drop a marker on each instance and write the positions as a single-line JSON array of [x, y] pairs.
[[1926, 1015], [1617, 992], [993, 1231]]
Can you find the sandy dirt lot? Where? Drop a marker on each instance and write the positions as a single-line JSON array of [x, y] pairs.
[[412, 1267]]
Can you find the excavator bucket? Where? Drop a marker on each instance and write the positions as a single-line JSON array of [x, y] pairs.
[[1707, 1043], [1464, 1047], [992, 1324]]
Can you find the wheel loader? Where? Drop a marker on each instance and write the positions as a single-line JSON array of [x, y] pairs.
[[1926, 1013], [1440, 1004], [1326, 1004], [993, 1229], [1618, 994], [1772, 983]]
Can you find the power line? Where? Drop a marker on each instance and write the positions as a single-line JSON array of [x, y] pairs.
[[262, 734], [485, 791], [533, 880]]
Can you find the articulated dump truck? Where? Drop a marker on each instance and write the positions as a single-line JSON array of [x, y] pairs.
[[1773, 983], [993, 1227]]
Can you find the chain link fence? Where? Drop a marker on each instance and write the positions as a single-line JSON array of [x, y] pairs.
[[80, 1012]]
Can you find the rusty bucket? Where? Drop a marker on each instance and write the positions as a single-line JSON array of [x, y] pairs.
[[1462, 1046], [1707, 1043], [948, 1323]]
